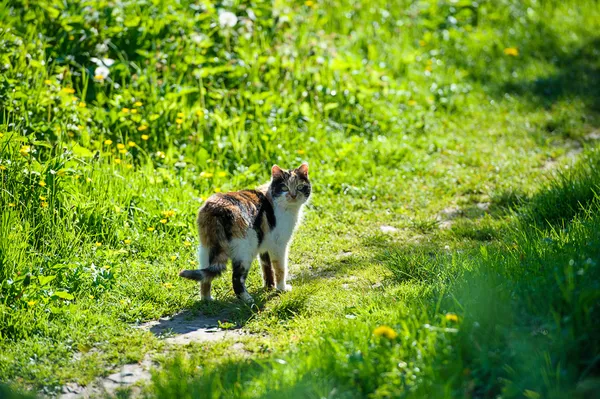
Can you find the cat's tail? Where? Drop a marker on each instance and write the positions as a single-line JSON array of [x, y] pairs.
[[203, 274]]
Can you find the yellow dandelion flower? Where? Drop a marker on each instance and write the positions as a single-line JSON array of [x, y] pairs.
[[451, 317], [42, 198], [168, 285], [179, 121], [511, 51], [2, 167], [123, 151], [42, 183], [145, 137], [67, 90], [11, 204], [192, 262], [208, 175], [385, 331], [98, 244], [187, 243], [131, 143], [154, 117], [82, 104], [134, 111], [150, 229], [141, 128], [137, 104], [301, 152], [61, 172], [222, 174], [91, 296], [48, 81], [168, 213], [129, 166], [99, 77], [1, 135], [173, 257], [217, 189], [412, 103], [125, 110], [127, 241], [44, 204], [180, 114], [120, 146], [117, 161], [88, 179], [25, 150], [199, 113], [108, 142], [309, 3], [71, 37], [163, 221], [31, 303]]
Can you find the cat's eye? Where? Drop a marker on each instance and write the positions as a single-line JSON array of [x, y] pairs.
[[285, 189], [300, 186]]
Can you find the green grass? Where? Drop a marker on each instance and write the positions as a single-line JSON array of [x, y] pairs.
[[456, 123]]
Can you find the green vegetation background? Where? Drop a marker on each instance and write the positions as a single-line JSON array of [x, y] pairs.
[[446, 120]]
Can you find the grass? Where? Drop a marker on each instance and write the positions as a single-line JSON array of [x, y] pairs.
[[455, 123]]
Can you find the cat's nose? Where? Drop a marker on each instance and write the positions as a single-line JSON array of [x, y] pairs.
[[293, 196]]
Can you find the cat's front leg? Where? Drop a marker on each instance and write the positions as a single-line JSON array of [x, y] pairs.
[[279, 263], [268, 277]]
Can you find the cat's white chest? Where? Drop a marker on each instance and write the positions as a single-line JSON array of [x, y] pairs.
[[279, 237]]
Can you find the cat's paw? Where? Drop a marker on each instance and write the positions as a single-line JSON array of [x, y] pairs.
[[244, 296], [208, 298], [284, 288]]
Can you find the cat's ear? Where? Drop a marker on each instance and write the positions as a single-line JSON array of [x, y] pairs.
[[303, 170], [276, 172]]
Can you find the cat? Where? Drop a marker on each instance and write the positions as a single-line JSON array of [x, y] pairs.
[[243, 224]]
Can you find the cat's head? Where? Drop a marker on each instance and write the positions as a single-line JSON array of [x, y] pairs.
[[290, 188]]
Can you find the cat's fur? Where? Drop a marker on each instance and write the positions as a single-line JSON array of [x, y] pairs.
[[243, 224]]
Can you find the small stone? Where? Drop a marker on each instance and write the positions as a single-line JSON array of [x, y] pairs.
[[484, 206], [388, 229], [595, 135], [451, 212]]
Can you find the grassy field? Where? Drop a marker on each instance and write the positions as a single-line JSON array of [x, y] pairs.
[[452, 243]]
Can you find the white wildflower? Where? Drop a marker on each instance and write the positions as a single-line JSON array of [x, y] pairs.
[[101, 72], [227, 19], [198, 37], [102, 62], [102, 48]]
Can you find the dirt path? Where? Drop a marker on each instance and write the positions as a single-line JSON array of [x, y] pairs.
[[180, 329]]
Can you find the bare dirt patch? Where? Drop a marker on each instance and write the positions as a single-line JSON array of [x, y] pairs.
[[181, 329]]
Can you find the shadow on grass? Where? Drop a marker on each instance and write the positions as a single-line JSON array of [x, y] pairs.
[[578, 76], [208, 321]]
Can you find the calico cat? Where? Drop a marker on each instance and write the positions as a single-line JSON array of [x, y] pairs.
[[243, 224]]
